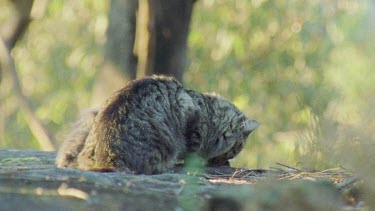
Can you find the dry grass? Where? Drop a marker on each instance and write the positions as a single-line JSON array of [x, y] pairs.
[[345, 181], [239, 175]]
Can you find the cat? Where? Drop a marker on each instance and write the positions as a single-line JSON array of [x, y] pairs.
[[151, 124]]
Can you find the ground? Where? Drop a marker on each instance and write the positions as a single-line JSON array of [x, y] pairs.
[[30, 180]]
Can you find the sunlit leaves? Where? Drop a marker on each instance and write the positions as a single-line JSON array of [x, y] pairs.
[[57, 60], [275, 60]]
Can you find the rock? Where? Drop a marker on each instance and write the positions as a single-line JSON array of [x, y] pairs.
[[29, 180]]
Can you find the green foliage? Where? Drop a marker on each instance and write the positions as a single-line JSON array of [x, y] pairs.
[[194, 164], [302, 68], [56, 61], [287, 64]]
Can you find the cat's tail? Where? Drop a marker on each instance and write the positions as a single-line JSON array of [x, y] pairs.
[[74, 142]]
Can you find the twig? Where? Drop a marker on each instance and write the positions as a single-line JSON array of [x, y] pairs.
[[278, 169], [330, 170], [234, 173], [340, 166], [219, 172], [344, 184], [289, 167]]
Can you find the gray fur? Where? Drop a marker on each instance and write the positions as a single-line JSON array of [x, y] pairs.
[[153, 123]]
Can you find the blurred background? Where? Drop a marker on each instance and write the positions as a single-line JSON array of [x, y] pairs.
[[304, 69]]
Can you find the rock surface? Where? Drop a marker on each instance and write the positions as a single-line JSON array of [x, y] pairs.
[[29, 180]]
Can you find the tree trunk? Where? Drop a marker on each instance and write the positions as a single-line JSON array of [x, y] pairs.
[[144, 37], [171, 20], [121, 36], [120, 63]]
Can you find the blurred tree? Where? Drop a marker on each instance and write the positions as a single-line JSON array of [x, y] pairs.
[[170, 22], [120, 63], [12, 30], [10, 34], [278, 62], [143, 38]]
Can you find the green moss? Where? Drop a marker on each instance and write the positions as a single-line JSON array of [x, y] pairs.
[[19, 160]]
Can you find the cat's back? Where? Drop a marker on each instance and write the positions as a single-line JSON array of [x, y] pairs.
[[143, 96], [141, 118]]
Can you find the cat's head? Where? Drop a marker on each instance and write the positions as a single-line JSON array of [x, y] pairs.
[[229, 128]]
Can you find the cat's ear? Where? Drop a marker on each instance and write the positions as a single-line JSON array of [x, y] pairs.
[[249, 126]]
